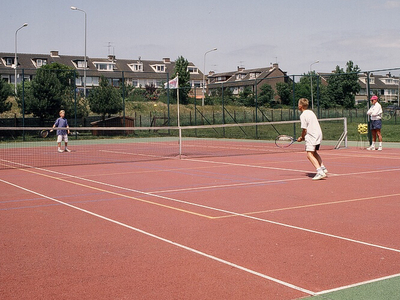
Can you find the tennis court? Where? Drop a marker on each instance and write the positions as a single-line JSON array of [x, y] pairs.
[[143, 221]]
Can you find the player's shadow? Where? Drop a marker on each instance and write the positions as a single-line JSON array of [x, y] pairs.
[[311, 175]]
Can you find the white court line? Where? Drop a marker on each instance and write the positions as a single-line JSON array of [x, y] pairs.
[[226, 211], [246, 165], [356, 284], [212, 257]]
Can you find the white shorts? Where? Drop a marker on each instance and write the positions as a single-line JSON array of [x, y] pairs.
[[312, 148], [61, 138]]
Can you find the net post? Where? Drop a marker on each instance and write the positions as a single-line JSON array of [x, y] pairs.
[[345, 130], [180, 142]]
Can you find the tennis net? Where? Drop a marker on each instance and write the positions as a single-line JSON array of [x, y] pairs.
[[26, 147]]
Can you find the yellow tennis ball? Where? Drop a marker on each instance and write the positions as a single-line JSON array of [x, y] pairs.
[[155, 104]]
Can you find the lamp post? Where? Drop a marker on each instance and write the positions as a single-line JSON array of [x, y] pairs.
[[312, 94], [15, 58], [204, 74], [85, 61]]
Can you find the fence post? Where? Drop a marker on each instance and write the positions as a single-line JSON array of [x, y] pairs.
[[23, 103], [318, 95], [368, 106], [123, 98], [294, 106], [223, 110]]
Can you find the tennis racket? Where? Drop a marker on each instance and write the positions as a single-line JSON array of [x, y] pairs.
[[284, 141], [44, 133]]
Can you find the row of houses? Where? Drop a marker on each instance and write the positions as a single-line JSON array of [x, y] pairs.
[[139, 73]]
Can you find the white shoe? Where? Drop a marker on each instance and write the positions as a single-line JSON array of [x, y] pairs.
[[59, 150], [67, 150], [380, 148], [325, 170], [371, 148], [319, 176]]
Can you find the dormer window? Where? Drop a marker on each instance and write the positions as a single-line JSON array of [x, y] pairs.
[[254, 75], [240, 76], [136, 67], [38, 62], [193, 70], [8, 61], [103, 66], [158, 68], [80, 64]]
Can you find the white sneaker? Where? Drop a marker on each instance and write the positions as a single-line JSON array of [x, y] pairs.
[[319, 176], [325, 170], [67, 150], [380, 148], [59, 150], [371, 148]]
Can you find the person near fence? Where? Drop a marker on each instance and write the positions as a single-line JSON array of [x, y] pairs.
[[62, 134], [312, 135], [375, 113]]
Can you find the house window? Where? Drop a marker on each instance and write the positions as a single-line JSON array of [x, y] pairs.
[[193, 70], [80, 64], [240, 76], [197, 84], [158, 68], [41, 62], [9, 61], [136, 67], [104, 66]]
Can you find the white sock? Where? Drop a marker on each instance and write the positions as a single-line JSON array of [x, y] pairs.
[[380, 144], [319, 170], [373, 144]]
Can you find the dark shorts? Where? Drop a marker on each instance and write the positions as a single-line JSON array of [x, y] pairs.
[[376, 124]]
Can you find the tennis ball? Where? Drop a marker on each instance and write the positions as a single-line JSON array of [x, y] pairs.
[[155, 104]]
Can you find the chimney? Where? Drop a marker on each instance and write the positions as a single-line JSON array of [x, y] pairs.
[[240, 69], [111, 58], [211, 73], [54, 53], [275, 65], [166, 60]]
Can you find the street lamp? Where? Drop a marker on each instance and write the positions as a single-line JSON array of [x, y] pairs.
[[312, 94], [204, 75], [85, 61], [15, 58]]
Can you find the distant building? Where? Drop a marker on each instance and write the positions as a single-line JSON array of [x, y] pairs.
[[238, 80], [385, 86], [135, 72]]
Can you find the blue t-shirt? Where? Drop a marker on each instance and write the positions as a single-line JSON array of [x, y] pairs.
[[61, 122]]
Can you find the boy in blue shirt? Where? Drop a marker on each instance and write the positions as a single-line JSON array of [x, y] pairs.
[[61, 133]]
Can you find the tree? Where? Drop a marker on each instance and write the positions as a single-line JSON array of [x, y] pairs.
[[5, 92], [246, 97], [181, 68], [284, 91], [51, 90], [343, 86], [43, 98], [303, 90], [105, 99], [266, 96]]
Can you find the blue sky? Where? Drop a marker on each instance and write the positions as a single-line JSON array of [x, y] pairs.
[[248, 33]]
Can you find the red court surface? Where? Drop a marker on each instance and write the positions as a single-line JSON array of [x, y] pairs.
[[236, 227]]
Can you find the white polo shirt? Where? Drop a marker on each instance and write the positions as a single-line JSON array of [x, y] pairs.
[[310, 122]]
